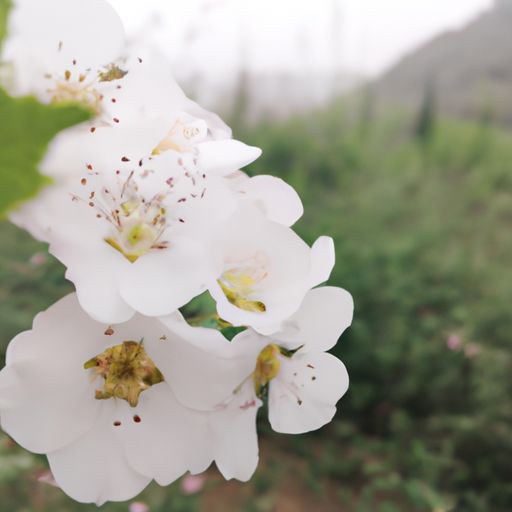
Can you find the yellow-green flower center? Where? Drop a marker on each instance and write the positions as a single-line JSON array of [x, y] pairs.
[[240, 282], [139, 228], [126, 370], [267, 368]]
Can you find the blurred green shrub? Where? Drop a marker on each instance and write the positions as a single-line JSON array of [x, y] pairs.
[[423, 243]]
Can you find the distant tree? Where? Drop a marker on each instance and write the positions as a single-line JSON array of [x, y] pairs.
[[367, 109], [427, 117]]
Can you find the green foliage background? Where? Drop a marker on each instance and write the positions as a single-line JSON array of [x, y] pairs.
[[422, 229], [421, 220]]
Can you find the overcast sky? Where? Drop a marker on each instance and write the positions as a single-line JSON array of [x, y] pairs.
[[213, 37]]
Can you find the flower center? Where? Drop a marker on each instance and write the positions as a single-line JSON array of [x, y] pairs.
[[76, 89], [239, 283], [139, 227], [126, 371], [267, 368], [182, 136]]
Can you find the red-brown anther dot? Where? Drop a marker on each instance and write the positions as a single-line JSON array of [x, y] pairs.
[[116, 120], [93, 129], [119, 86], [140, 60], [113, 100], [109, 331], [137, 419], [83, 181], [89, 166], [91, 204], [125, 159], [117, 423]]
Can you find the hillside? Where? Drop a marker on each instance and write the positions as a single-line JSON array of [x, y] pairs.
[[470, 70]]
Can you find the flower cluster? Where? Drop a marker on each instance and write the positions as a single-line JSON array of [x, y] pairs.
[[149, 209]]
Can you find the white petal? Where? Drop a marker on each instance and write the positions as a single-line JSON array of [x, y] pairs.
[[235, 441], [148, 90], [47, 36], [105, 150], [158, 283], [198, 365], [95, 271], [168, 439], [10, 392], [219, 130], [304, 395], [323, 316], [225, 156], [278, 200], [54, 392], [323, 259], [283, 259], [54, 213], [94, 469]]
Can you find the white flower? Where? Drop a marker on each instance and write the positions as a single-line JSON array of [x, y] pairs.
[[231, 439], [277, 200], [61, 50], [254, 364], [303, 383], [129, 228], [99, 401], [264, 270]]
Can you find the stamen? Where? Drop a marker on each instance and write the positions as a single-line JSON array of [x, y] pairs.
[[127, 371], [240, 280], [268, 366]]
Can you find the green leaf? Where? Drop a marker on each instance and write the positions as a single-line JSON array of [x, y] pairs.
[[231, 332], [26, 128]]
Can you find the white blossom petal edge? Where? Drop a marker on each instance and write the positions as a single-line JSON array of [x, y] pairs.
[[91, 397]]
